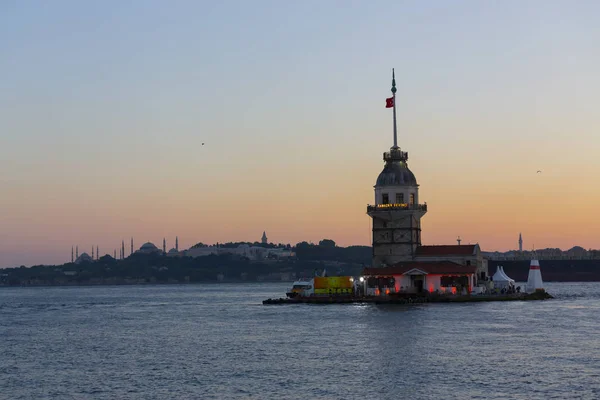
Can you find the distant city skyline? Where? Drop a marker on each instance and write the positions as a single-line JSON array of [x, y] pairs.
[[124, 250], [216, 121]]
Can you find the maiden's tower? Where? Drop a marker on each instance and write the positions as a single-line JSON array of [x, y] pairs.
[[400, 260], [397, 212]]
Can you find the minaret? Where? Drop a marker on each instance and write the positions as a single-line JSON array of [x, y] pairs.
[[396, 213], [131, 246], [76, 252], [97, 253], [92, 253], [72, 259], [123, 249], [520, 243], [264, 240], [176, 243], [164, 245], [458, 239]]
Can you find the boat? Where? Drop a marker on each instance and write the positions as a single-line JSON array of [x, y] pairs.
[[322, 286], [301, 288]]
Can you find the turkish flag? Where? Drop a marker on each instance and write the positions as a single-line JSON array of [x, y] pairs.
[[389, 103]]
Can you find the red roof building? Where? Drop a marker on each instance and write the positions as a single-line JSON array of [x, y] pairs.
[[438, 268], [415, 277]]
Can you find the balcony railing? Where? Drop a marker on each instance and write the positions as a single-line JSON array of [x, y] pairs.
[[396, 207], [395, 155]]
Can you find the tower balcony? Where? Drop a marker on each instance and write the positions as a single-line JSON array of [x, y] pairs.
[[395, 154], [396, 207]]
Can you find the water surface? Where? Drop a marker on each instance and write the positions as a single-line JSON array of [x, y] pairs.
[[220, 342]]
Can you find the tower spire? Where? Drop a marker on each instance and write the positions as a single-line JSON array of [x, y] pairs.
[[72, 254], [131, 245], [176, 243], [394, 101]]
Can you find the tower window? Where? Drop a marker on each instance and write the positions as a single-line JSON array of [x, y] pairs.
[[385, 198], [399, 198], [412, 198]]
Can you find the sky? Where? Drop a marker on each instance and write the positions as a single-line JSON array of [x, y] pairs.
[[105, 106]]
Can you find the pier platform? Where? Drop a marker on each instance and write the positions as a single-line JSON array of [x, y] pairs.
[[410, 299]]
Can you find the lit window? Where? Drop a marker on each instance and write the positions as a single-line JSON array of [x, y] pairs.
[[412, 198], [399, 198], [385, 198]]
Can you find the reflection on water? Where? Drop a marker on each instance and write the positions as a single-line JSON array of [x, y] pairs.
[[220, 342]]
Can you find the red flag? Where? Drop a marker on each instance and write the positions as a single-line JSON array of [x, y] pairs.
[[389, 103]]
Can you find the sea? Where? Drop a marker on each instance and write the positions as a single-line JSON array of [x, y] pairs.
[[217, 341]]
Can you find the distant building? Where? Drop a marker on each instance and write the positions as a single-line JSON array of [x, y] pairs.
[[243, 250], [264, 240], [174, 253]]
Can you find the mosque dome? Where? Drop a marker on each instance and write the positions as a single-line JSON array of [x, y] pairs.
[[148, 246], [173, 251], [396, 173], [84, 257]]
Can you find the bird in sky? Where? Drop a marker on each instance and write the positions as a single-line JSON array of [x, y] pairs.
[[202, 144], [539, 172]]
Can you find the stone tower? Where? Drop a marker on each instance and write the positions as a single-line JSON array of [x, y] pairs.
[[396, 213], [264, 240]]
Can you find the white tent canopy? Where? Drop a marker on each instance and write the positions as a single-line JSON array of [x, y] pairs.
[[500, 279], [506, 276]]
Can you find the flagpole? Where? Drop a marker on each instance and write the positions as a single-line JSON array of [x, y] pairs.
[[394, 97]]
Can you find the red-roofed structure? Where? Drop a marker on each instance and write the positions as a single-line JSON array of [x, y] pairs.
[[440, 267], [415, 277]]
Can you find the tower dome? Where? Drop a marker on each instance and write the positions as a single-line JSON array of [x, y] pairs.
[[396, 173]]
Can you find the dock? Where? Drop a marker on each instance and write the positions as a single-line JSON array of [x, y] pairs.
[[410, 299]]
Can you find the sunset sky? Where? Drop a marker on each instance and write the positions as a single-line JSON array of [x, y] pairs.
[[104, 107]]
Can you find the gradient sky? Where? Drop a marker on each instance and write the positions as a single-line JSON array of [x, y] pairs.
[[104, 107]]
